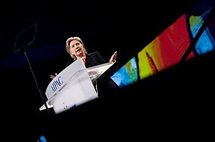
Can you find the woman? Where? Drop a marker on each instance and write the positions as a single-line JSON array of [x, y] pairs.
[[75, 47]]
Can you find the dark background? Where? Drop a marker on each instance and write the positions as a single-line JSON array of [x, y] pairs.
[[162, 105]]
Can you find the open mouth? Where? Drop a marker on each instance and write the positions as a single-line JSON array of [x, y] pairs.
[[78, 50]]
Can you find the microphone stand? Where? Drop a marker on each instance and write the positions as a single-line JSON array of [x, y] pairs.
[[36, 82]]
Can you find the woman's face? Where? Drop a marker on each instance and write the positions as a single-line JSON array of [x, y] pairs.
[[76, 48]]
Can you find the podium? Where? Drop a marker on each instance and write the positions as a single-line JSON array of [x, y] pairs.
[[73, 86]]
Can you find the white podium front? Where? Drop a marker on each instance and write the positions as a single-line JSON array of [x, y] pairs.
[[73, 86]]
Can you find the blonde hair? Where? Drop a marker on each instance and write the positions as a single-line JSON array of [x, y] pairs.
[[71, 39]]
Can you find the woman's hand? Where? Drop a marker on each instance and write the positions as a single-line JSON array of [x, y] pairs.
[[113, 57], [53, 76]]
